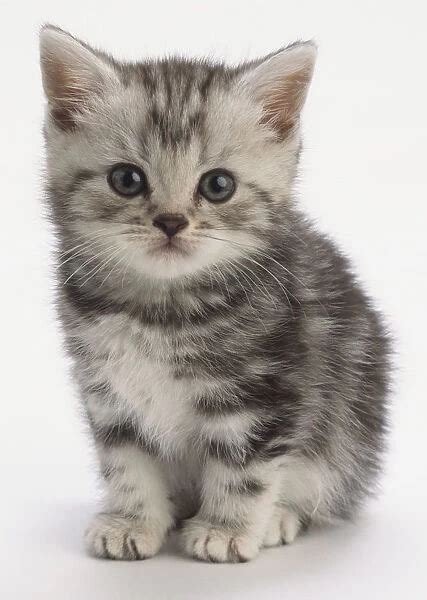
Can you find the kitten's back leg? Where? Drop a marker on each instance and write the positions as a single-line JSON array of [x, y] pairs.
[[308, 490], [284, 526]]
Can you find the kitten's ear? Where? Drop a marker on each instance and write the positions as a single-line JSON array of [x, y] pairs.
[[72, 72], [280, 82]]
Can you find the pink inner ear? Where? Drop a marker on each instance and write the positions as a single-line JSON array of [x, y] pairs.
[[283, 104], [65, 93], [281, 84], [72, 72]]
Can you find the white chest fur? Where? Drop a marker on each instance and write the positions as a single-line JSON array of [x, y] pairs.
[[135, 361]]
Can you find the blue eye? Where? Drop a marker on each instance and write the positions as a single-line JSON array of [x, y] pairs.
[[127, 180], [217, 185]]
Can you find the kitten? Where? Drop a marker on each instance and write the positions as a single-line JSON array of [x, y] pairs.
[[233, 372]]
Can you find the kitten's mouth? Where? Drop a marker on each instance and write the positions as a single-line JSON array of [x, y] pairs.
[[171, 247]]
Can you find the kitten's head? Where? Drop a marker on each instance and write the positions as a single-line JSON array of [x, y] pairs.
[[167, 168]]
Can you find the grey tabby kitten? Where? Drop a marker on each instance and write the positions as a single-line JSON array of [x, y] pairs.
[[233, 372]]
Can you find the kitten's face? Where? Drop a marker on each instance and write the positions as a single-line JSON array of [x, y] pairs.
[[168, 168]]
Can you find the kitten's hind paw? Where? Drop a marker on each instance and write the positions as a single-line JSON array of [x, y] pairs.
[[217, 544], [120, 538], [283, 528]]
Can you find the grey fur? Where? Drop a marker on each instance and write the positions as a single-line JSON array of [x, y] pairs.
[[260, 339]]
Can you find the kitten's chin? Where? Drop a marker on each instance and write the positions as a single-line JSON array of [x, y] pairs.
[[163, 260], [177, 258], [171, 264]]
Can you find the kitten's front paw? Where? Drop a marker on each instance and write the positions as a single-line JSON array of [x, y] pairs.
[[217, 544], [120, 538]]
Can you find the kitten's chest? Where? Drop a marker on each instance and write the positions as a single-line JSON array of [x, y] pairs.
[[139, 367]]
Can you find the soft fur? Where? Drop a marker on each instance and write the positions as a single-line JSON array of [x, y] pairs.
[[239, 380]]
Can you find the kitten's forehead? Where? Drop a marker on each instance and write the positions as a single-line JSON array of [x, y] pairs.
[[178, 93], [171, 109], [137, 108]]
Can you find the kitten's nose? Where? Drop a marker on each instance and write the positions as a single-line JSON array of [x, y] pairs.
[[170, 223]]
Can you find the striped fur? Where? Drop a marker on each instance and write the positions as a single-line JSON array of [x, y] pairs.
[[238, 382]]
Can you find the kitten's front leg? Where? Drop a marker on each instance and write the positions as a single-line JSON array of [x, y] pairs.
[[138, 511], [237, 504]]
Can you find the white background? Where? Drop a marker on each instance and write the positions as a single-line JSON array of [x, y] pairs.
[[364, 172]]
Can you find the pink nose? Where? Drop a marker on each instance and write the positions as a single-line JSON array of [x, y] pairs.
[[170, 223]]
